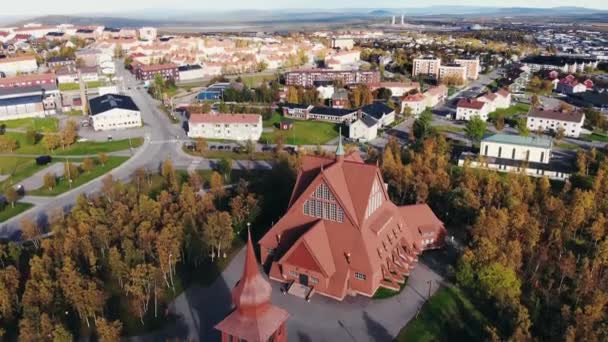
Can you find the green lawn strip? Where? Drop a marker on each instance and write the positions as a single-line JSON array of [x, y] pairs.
[[566, 145], [10, 211], [19, 168], [83, 178], [595, 136], [518, 108], [304, 133], [256, 80], [78, 148], [449, 128], [46, 124], [448, 316], [73, 112], [384, 293], [76, 86]]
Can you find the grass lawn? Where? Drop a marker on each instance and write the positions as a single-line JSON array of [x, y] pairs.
[[76, 86], [383, 293], [9, 211], [449, 128], [63, 185], [595, 137], [256, 80], [18, 169], [73, 112], [78, 148], [38, 124], [448, 316], [566, 145], [302, 133], [518, 108]]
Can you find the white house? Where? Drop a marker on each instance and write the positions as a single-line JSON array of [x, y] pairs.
[[363, 129], [113, 111], [190, 72], [382, 113], [225, 126], [415, 102], [552, 120], [498, 100], [147, 33], [397, 89], [466, 109]]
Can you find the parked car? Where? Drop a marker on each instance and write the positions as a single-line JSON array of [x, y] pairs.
[[266, 148], [43, 160], [213, 147]]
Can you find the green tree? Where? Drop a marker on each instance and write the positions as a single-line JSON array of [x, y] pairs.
[[422, 127], [475, 129], [522, 127], [31, 136], [225, 167]]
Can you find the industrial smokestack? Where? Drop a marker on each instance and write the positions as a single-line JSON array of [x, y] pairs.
[[394, 20], [402, 19]]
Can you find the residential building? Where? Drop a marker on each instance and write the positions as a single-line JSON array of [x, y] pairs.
[[415, 102], [342, 235], [309, 112], [190, 72], [397, 89], [455, 71], [148, 72], [531, 155], [113, 111], [28, 80], [309, 77], [466, 109], [382, 113], [342, 43], [253, 317], [11, 66], [147, 33], [551, 120], [59, 61], [562, 63], [342, 60], [570, 85], [500, 99], [426, 66], [471, 65], [225, 126], [363, 129], [71, 74], [436, 95]]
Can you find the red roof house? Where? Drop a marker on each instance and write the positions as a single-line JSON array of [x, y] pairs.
[[343, 235], [254, 318]]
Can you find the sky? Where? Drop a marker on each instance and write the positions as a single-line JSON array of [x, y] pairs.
[[42, 7]]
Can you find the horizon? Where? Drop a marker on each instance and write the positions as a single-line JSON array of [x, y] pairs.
[[34, 8]]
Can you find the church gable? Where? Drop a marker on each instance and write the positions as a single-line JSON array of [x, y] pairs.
[[323, 204]]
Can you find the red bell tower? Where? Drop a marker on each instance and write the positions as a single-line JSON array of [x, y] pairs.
[[254, 318]]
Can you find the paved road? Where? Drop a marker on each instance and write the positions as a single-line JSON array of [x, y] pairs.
[[354, 319]]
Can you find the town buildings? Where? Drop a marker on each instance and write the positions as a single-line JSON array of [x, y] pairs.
[[253, 318], [148, 72], [466, 109], [568, 64], [113, 111], [11, 66], [364, 129], [531, 155], [547, 120], [225, 126], [453, 71], [71, 74], [59, 61], [28, 80], [426, 66], [500, 99], [309, 77], [471, 65], [342, 235], [418, 102], [342, 43], [397, 89], [339, 98], [190, 72], [570, 85]]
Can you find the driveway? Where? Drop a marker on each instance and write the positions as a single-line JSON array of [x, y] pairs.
[[322, 319]]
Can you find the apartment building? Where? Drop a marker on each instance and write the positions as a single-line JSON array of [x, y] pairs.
[[466, 109], [471, 65], [225, 126], [28, 80], [310, 77], [552, 120], [426, 66], [11, 66], [148, 72], [453, 70]]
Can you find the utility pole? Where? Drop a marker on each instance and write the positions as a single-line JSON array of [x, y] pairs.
[[430, 285]]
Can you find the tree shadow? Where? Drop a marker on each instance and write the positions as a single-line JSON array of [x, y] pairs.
[[375, 330]]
